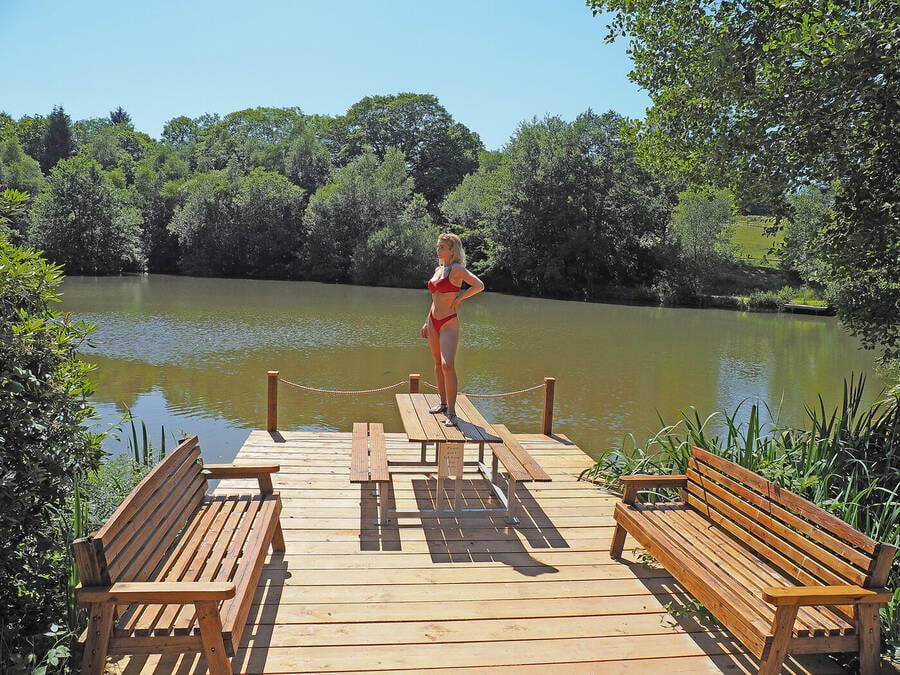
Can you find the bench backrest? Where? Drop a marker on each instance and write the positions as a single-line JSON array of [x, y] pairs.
[[809, 544], [140, 532]]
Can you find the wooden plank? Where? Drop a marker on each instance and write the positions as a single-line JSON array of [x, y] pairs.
[[482, 428], [527, 461], [786, 524], [512, 465], [378, 458], [359, 458], [789, 500], [411, 424]]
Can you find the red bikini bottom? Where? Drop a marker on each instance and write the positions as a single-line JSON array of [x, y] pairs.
[[438, 323]]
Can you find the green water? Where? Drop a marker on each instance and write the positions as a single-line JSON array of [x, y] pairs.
[[192, 354]]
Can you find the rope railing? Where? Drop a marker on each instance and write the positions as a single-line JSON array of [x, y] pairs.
[[341, 391], [414, 381], [502, 395]]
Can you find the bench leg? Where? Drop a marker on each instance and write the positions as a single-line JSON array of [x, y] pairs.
[[782, 628], [96, 647], [868, 627], [512, 502], [211, 635], [618, 542]]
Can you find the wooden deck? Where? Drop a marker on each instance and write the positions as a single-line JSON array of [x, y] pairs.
[[472, 595]]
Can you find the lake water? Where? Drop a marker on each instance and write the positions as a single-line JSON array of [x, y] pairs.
[[191, 355]]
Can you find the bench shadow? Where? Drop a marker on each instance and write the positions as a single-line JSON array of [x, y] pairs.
[[372, 535], [486, 537], [722, 648]]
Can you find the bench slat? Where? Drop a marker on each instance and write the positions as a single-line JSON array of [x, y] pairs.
[[749, 630], [236, 611], [747, 572], [757, 524], [787, 499], [801, 533], [535, 470], [512, 465], [187, 452], [411, 423], [359, 458], [378, 458], [125, 526]]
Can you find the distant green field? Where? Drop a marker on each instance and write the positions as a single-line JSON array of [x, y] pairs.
[[752, 243]]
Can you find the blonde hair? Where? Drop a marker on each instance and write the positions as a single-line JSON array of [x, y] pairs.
[[458, 254]]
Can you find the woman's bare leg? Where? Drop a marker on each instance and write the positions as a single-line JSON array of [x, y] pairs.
[[434, 342], [449, 340]]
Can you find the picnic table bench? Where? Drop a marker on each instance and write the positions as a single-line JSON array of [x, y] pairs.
[[175, 569], [781, 574]]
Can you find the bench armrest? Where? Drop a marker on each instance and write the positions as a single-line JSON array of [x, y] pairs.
[[644, 482], [262, 472], [803, 596], [157, 592]]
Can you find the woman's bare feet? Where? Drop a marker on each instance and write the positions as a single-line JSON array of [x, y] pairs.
[[439, 408], [451, 420]]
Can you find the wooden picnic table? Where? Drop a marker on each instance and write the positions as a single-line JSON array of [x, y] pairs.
[[423, 427]]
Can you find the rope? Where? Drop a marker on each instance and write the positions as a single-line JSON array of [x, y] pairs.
[[507, 393], [336, 391]]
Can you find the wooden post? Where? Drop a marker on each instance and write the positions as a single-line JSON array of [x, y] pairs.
[[547, 422], [272, 403], [414, 383]]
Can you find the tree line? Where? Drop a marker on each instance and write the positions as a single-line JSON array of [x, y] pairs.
[[563, 210]]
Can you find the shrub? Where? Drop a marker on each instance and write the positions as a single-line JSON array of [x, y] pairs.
[[43, 448]]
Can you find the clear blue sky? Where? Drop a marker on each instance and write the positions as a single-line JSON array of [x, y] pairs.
[[491, 63]]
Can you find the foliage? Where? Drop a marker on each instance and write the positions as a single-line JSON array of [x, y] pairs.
[[83, 223], [780, 95], [58, 142], [120, 116], [396, 253], [236, 225], [44, 447], [12, 209], [810, 212], [580, 215], [350, 221], [846, 461], [438, 150], [701, 223], [18, 170]]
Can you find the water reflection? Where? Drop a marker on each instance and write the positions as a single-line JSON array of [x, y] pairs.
[[192, 354]]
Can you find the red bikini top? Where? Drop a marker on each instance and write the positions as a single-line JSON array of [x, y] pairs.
[[443, 286]]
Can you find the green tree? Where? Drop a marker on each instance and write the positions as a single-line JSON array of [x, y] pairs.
[[12, 210], [701, 224], [810, 213], [30, 132], [257, 137], [18, 170], [364, 199], [235, 225], [58, 142], [83, 223], [475, 208], [157, 182], [581, 214], [781, 94], [120, 116], [45, 445], [439, 151]]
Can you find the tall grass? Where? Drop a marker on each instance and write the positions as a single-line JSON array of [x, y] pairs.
[[847, 461]]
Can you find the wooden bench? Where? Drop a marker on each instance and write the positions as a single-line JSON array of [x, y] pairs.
[[175, 569], [519, 465], [368, 461], [783, 575]]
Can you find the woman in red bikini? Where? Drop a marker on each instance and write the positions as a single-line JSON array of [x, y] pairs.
[[441, 328]]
